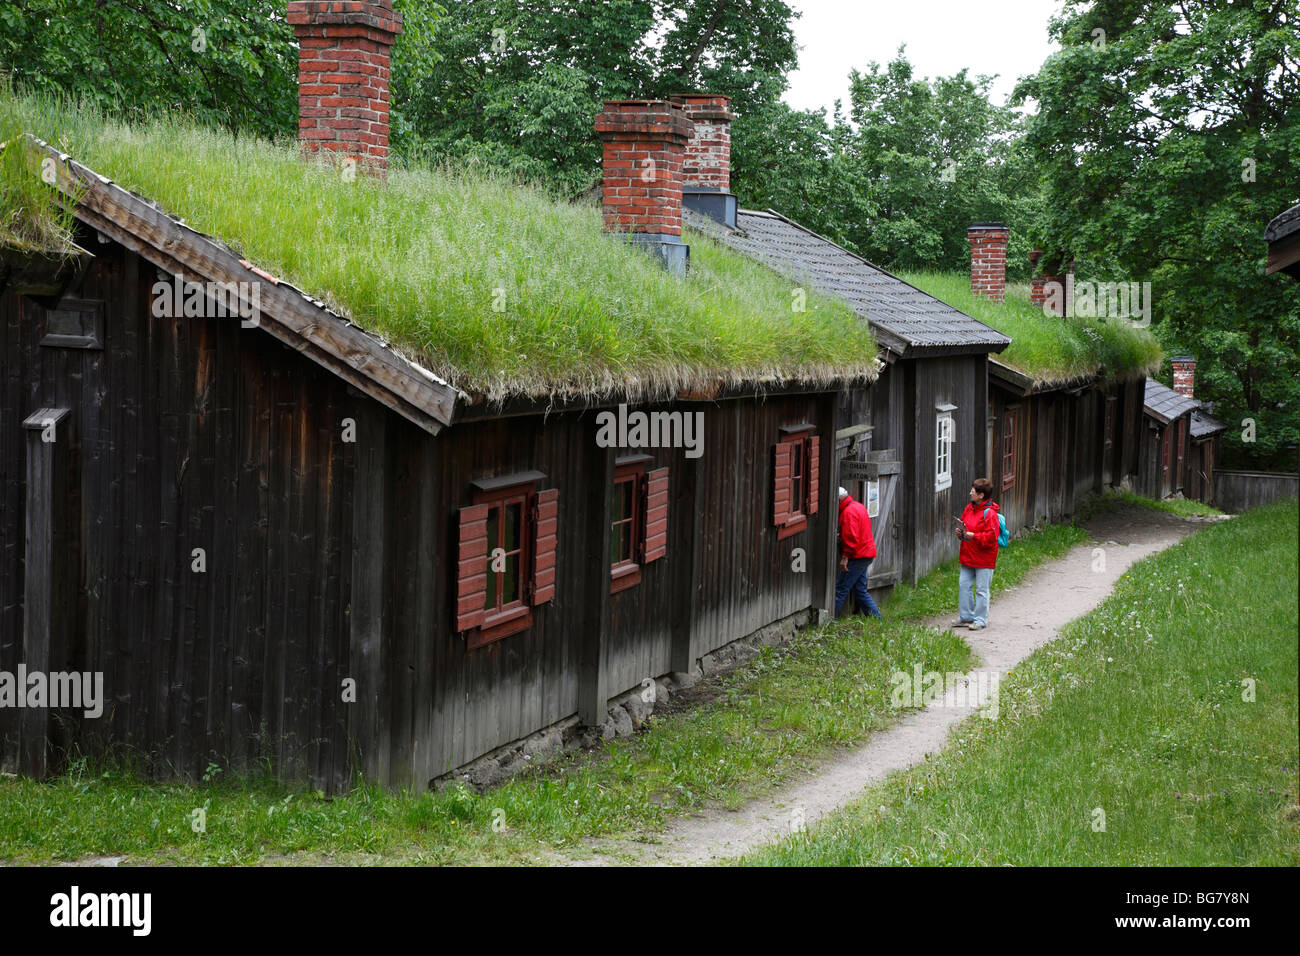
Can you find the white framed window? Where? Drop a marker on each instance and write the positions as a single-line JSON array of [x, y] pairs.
[[873, 497], [944, 436]]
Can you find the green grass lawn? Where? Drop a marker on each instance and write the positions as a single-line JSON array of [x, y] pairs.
[[490, 283], [1137, 712], [760, 726], [1044, 347]]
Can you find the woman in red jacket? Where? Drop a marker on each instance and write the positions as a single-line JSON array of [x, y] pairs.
[[978, 531]]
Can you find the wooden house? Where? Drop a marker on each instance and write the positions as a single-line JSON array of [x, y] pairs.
[[1052, 445], [911, 445], [291, 541], [1180, 441]]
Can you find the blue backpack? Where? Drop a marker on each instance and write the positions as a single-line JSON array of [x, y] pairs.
[[1004, 536]]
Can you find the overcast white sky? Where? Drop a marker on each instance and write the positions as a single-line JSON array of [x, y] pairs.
[[1004, 37]]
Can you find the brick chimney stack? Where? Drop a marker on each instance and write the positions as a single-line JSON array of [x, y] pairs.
[[643, 152], [1037, 294], [706, 176], [988, 259], [1049, 290], [1184, 375], [343, 70]]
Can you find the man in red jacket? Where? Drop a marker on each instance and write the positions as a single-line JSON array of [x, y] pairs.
[[978, 531], [857, 549]]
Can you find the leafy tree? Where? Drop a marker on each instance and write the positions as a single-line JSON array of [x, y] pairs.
[[1167, 135], [228, 62], [933, 156], [519, 83]]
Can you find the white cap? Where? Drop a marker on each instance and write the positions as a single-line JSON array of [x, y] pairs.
[[843, 493]]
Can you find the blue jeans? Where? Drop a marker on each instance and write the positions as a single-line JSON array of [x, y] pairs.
[[855, 580], [977, 579]]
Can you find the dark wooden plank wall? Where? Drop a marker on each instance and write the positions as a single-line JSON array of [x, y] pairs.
[[745, 579], [176, 421], [953, 381], [737, 580], [1237, 491]]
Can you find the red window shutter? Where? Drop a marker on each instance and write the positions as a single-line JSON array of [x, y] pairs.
[[546, 512], [783, 465], [814, 466], [656, 514], [471, 567]]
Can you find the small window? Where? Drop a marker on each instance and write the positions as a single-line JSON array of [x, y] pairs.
[[796, 487], [626, 527], [506, 559], [1009, 449], [943, 442], [638, 529]]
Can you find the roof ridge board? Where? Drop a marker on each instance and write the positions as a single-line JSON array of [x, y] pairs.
[[882, 271], [431, 415]]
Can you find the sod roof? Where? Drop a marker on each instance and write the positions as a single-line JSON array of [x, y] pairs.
[[1048, 350], [490, 284]]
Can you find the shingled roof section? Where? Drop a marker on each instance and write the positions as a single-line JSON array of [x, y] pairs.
[[1163, 403], [1283, 225], [1204, 425], [905, 319]]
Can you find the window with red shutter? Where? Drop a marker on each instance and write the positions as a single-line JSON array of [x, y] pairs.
[[506, 561], [1009, 449], [814, 474], [638, 530], [656, 514], [795, 479]]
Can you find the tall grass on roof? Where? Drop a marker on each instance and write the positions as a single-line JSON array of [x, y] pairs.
[[29, 222], [1049, 349], [487, 282]]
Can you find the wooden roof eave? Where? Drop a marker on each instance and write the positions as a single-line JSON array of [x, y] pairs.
[[1016, 381], [358, 357]]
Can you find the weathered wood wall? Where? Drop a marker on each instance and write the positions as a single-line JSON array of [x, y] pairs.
[[1237, 491], [1061, 456], [175, 423], [931, 382]]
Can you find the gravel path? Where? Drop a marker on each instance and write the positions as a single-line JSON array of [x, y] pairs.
[[1022, 619]]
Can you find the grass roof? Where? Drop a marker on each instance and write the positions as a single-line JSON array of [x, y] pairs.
[[489, 283], [1046, 348]]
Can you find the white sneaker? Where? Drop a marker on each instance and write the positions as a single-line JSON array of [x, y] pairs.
[[960, 623], [976, 626]]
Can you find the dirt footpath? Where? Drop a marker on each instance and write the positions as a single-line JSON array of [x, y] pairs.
[[1021, 619]]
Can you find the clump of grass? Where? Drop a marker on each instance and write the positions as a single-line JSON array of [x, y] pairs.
[[1171, 708], [1117, 498], [1049, 349], [488, 282], [30, 220]]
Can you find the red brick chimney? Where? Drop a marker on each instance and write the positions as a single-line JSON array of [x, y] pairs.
[[644, 145], [1184, 375], [343, 70], [706, 176], [988, 259], [1050, 289], [1037, 295]]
